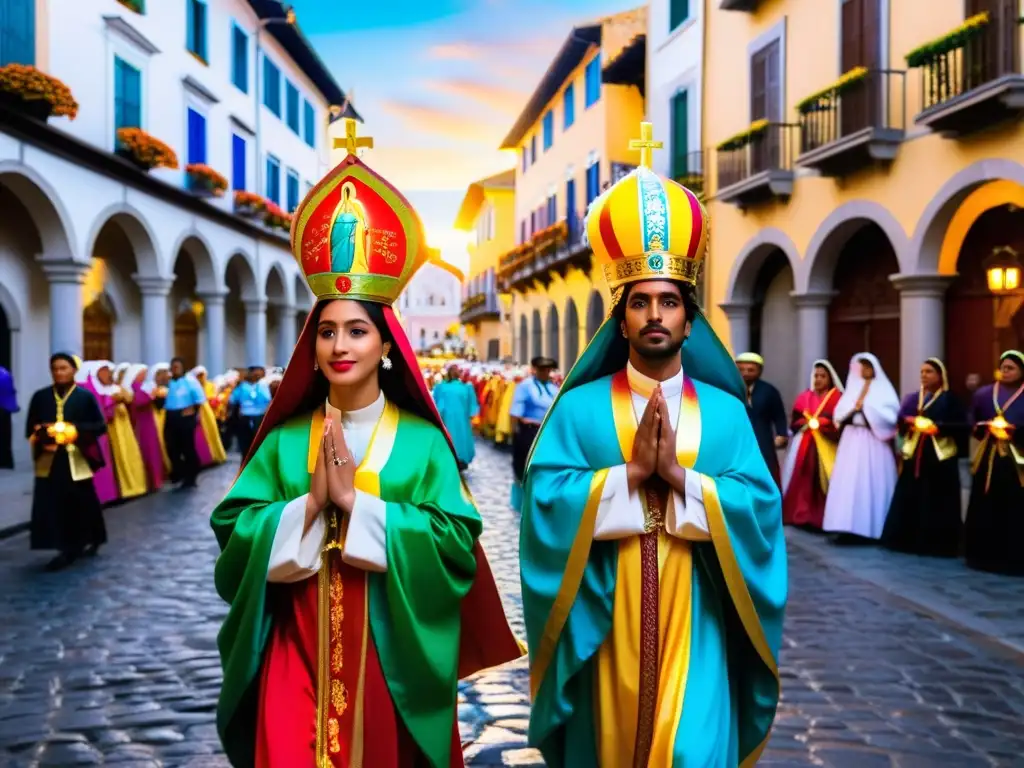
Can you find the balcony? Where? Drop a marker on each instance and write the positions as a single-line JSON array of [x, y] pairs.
[[553, 249], [688, 170], [479, 307], [853, 123], [970, 78], [739, 5], [757, 165]]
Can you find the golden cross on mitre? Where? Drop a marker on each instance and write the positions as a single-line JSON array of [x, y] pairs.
[[646, 144], [352, 140]]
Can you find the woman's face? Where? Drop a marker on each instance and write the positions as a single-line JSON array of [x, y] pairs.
[[1010, 371], [140, 376], [105, 375], [822, 380], [867, 370], [348, 345], [931, 379]]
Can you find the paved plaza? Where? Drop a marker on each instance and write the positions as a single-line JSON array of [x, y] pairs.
[[888, 660]]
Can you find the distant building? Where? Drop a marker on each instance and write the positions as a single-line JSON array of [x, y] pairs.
[[488, 212], [572, 140], [430, 304], [108, 260]]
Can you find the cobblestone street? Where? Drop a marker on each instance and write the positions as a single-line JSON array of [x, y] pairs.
[[888, 660]]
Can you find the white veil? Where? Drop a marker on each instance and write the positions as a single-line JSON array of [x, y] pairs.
[[881, 404]]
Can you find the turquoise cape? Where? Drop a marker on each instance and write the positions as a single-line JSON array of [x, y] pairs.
[[457, 403], [739, 580]]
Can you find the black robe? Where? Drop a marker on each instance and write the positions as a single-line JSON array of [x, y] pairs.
[[768, 416], [66, 515]]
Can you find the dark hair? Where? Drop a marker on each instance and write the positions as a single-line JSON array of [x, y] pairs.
[[177, 360], [65, 357], [687, 291], [827, 372], [934, 366], [1017, 359]]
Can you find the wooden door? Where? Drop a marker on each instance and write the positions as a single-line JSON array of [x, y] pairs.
[[766, 104], [862, 105], [98, 331], [865, 315], [186, 337]]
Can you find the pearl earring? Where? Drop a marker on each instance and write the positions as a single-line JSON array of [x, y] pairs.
[[316, 366], [385, 363]]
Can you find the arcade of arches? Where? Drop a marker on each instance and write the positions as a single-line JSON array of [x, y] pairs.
[[558, 332]]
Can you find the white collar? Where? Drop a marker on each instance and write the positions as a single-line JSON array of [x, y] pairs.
[[644, 385], [361, 416]]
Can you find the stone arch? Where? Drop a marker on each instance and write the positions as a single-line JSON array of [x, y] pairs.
[[303, 297], [826, 245], [524, 340], [243, 266], [553, 328], [44, 204], [926, 245], [200, 253], [747, 267], [595, 314], [11, 308], [275, 286], [139, 233], [571, 330], [537, 347], [982, 199]]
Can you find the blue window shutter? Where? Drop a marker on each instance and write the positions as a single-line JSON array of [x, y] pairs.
[[240, 58], [190, 24], [118, 94], [292, 105], [293, 191], [273, 180], [549, 129], [524, 158], [17, 32], [196, 137], [309, 124], [569, 106], [239, 160]]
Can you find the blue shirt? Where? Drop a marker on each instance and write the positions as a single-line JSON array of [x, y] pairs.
[[184, 393], [252, 399], [532, 399]]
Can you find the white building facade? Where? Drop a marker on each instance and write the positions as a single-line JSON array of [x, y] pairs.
[[103, 259], [430, 306]]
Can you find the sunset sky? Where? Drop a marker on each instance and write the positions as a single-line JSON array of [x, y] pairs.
[[439, 84]]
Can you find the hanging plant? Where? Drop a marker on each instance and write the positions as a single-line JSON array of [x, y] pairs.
[[275, 217], [145, 150], [824, 99], [957, 38], [139, 6], [740, 140], [249, 203], [37, 92], [204, 178]]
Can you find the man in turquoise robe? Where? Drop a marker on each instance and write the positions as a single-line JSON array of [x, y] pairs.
[[457, 403], [652, 555]]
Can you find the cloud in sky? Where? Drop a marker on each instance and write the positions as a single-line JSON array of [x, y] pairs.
[[451, 124], [498, 99]]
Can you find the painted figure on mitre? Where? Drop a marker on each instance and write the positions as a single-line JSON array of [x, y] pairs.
[[348, 233], [359, 594], [652, 554]]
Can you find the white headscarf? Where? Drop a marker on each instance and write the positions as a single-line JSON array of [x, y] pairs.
[[198, 371], [94, 379], [150, 383], [881, 404], [128, 382], [82, 374], [119, 369], [836, 381]]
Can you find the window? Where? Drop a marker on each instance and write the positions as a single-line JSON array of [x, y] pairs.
[[127, 96], [239, 161], [273, 179], [533, 149], [680, 133], [271, 86], [569, 105], [678, 12], [239, 58], [196, 28], [592, 81], [593, 181], [17, 32], [292, 198], [552, 212], [522, 231], [526, 158], [549, 129], [309, 124], [196, 137], [291, 105], [766, 84]]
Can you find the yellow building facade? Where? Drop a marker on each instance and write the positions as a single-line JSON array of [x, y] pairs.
[[864, 178], [487, 214], [572, 141]]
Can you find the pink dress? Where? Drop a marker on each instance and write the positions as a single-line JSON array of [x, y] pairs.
[[202, 446], [104, 479], [144, 421]]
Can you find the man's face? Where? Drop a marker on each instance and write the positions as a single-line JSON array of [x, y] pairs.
[[62, 371], [163, 378], [542, 374], [254, 375], [655, 322], [750, 372], [177, 369]]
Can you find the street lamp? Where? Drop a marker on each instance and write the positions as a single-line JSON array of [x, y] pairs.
[[1002, 270], [287, 19]]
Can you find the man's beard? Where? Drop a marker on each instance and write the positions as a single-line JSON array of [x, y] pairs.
[[669, 350]]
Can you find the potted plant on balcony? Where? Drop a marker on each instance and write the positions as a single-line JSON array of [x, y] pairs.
[[275, 217], [204, 181], [249, 204], [35, 93], [144, 150], [139, 6]]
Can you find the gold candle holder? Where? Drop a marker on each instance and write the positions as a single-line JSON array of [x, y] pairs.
[[63, 433]]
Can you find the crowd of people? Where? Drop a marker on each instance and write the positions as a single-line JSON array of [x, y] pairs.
[[867, 466], [138, 429]]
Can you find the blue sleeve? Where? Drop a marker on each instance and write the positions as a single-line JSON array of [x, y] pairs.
[[519, 400], [235, 396], [198, 393]]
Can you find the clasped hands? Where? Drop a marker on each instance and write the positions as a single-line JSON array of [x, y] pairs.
[[334, 478], [654, 447]]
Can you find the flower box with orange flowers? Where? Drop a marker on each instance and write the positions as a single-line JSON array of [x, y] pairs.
[[36, 93], [204, 181], [249, 204], [275, 217], [144, 150]]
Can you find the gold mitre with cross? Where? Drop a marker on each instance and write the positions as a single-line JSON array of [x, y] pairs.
[[646, 227], [354, 235]]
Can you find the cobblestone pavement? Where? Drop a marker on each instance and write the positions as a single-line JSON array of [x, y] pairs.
[[114, 661]]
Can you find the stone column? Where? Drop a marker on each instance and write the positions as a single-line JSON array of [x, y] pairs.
[[286, 337], [256, 332], [213, 311], [812, 325], [738, 313], [155, 334], [66, 279], [922, 322]]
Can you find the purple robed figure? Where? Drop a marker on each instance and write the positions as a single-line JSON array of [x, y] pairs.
[[8, 407], [144, 423], [994, 529], [103, 478]]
